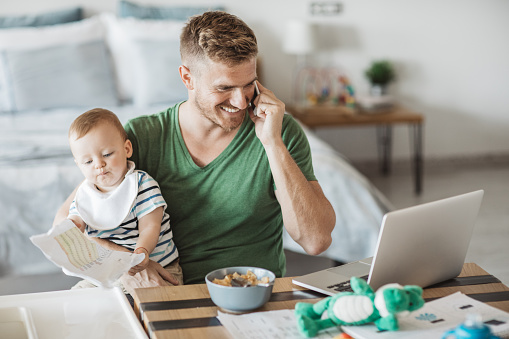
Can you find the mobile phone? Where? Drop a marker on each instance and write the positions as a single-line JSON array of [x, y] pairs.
[[256, 93]]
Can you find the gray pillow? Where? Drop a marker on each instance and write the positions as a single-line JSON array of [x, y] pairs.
[[42, 19], [129, 9], [157, 74], [72, 75]]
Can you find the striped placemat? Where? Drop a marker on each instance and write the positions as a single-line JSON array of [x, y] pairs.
[[294, 295]]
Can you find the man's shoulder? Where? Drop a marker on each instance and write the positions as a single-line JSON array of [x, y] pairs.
[[291, 125], [288, 117]]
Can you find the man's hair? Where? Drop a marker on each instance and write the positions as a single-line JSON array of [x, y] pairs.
[[218, 36], [90, 119]]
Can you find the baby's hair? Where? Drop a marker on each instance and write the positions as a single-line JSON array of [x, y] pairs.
[[90, 119]]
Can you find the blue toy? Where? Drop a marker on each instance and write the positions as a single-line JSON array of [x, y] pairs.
[[472, 328], [359, 307]]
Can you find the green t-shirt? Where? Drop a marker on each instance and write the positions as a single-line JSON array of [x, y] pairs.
[[225, 213]]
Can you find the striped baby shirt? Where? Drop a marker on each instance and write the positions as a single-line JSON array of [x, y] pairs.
[[149, 198]]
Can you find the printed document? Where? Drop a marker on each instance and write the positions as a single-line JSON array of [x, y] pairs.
[[436, 317], [77, 255], [431, 321]]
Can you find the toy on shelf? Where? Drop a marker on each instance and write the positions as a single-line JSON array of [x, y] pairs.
[[359, 307], [347, 96], [323, 86]]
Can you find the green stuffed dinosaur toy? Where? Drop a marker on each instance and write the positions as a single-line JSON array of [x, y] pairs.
[[359, 307]]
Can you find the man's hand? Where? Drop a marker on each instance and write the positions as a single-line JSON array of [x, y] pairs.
[[154, 275], [269, 118]]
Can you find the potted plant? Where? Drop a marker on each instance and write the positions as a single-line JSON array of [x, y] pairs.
[[380, 74]]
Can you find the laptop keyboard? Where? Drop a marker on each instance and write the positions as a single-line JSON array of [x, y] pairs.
[[345, 285]]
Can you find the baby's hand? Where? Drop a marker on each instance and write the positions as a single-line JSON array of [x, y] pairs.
[[142, 265]]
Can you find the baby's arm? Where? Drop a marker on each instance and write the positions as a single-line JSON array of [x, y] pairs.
[[102, 242], [77, 221], [149, 227]]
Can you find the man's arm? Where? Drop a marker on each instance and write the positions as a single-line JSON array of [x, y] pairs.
[[307, 214]]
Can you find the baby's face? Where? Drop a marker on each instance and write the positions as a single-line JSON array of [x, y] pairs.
[[101, 155]]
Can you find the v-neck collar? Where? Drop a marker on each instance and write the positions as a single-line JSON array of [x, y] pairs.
[[221, 156]]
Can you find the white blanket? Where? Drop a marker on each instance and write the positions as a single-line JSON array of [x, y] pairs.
[[37, 174]]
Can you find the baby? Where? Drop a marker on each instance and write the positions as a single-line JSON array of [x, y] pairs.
[[116, 202]]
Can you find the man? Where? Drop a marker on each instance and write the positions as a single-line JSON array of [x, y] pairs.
[[231, 179]]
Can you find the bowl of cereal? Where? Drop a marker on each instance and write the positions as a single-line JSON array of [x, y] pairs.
[[241, 288]]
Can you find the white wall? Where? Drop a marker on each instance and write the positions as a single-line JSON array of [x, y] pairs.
[[452, 61]]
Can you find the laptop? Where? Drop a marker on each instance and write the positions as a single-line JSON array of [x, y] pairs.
[[421, 245]]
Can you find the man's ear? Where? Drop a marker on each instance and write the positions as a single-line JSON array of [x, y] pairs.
[[128, 148], [186, 76]]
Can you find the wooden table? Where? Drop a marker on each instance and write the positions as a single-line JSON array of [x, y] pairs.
[[340, 116], [188, 312]]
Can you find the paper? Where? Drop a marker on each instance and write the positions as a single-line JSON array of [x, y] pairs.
[[77, 255], [436, 317], [272, 324]]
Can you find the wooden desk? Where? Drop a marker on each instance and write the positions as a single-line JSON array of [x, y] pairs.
[[339, 116], [188, 312]]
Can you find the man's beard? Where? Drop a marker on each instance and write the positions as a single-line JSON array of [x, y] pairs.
[[227, 125]]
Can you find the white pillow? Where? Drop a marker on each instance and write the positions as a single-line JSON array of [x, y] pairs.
[[146, 59], [55, 66]]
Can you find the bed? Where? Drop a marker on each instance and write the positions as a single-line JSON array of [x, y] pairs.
[[50, 74]]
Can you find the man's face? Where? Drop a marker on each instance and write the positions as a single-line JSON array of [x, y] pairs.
[[222, 93]]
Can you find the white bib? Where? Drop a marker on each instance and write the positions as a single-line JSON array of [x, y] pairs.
[[106, 211]]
